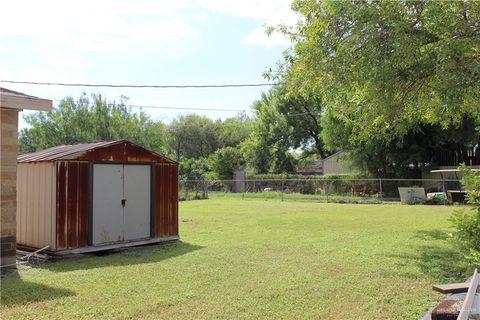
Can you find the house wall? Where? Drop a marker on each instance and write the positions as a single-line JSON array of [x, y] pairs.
[[8, 200], [239, 180], [334, 165], [35, 204]]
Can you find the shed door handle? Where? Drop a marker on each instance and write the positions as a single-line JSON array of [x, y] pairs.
[[123, 202]]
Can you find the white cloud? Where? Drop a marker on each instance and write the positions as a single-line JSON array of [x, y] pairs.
[[100, 25], [276, 11], [268, 13], [64, 37], [113, 25]]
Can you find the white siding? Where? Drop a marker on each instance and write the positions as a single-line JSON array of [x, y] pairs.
[[35, 204]]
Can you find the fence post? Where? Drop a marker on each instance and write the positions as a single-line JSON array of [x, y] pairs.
[[283, 182], [380, 187], [243, 190], [443, 190], [327, 188]]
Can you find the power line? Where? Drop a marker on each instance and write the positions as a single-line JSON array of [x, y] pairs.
[[191, 108], [187, 108], [170, 107], [138, 86]]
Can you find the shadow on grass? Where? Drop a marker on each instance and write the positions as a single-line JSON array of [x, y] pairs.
[[435, 234], [123, 257], [15, 291], [442, 262]]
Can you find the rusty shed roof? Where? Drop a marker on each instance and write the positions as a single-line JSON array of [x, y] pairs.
[[80, 152]]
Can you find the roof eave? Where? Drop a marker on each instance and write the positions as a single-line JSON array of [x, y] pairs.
[[21, 103]]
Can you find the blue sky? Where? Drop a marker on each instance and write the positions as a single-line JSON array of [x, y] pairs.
[[143, 42]]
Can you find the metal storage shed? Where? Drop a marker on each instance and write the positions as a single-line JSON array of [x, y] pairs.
[[96, 196]]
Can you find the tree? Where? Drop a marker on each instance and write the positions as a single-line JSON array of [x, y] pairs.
[[267, 147], [232, 131], [192, 136], [194, 169], [303, 113], [225, 161], [91, 119], [393, 158], [388, 66]]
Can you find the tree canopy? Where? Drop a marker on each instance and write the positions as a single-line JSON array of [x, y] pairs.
[[91, 119], [393, 82], [204, 147], [192, 136], [267, 147], [385, 67]]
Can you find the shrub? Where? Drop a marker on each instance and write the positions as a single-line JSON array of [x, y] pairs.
[[467, 222]]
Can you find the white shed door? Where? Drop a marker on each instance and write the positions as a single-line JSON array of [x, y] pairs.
[[137, 204], [107, 215], [121, 202]]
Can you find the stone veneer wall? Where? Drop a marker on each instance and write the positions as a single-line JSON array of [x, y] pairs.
[[8, 184]]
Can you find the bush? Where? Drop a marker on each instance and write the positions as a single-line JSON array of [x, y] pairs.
[[467, 222], [225, 161]]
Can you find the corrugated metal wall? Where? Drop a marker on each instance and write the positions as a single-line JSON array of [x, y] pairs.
[[35, 204], [72, 204], [166, 200]]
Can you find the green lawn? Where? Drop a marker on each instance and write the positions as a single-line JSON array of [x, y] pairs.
[[275, 195], [254, 260]]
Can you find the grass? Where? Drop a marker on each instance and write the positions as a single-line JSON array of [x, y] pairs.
[[256, 259]]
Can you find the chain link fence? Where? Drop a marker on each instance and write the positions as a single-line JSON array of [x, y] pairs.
[[430, 191]]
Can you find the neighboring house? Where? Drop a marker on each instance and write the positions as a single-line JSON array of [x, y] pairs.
[[11, 103], [333, 164], [239, 178], [313, 168]]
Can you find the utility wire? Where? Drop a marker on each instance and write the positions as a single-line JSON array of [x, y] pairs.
[[195, 108], [187, 108], [91, 104], [142, 85], [190, 108]]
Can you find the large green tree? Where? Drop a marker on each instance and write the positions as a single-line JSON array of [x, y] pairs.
[[91, 119], [303, 113], [423, 147], [232, 131], [267, 147], [224, 162], [388, 66], [193, 136]]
